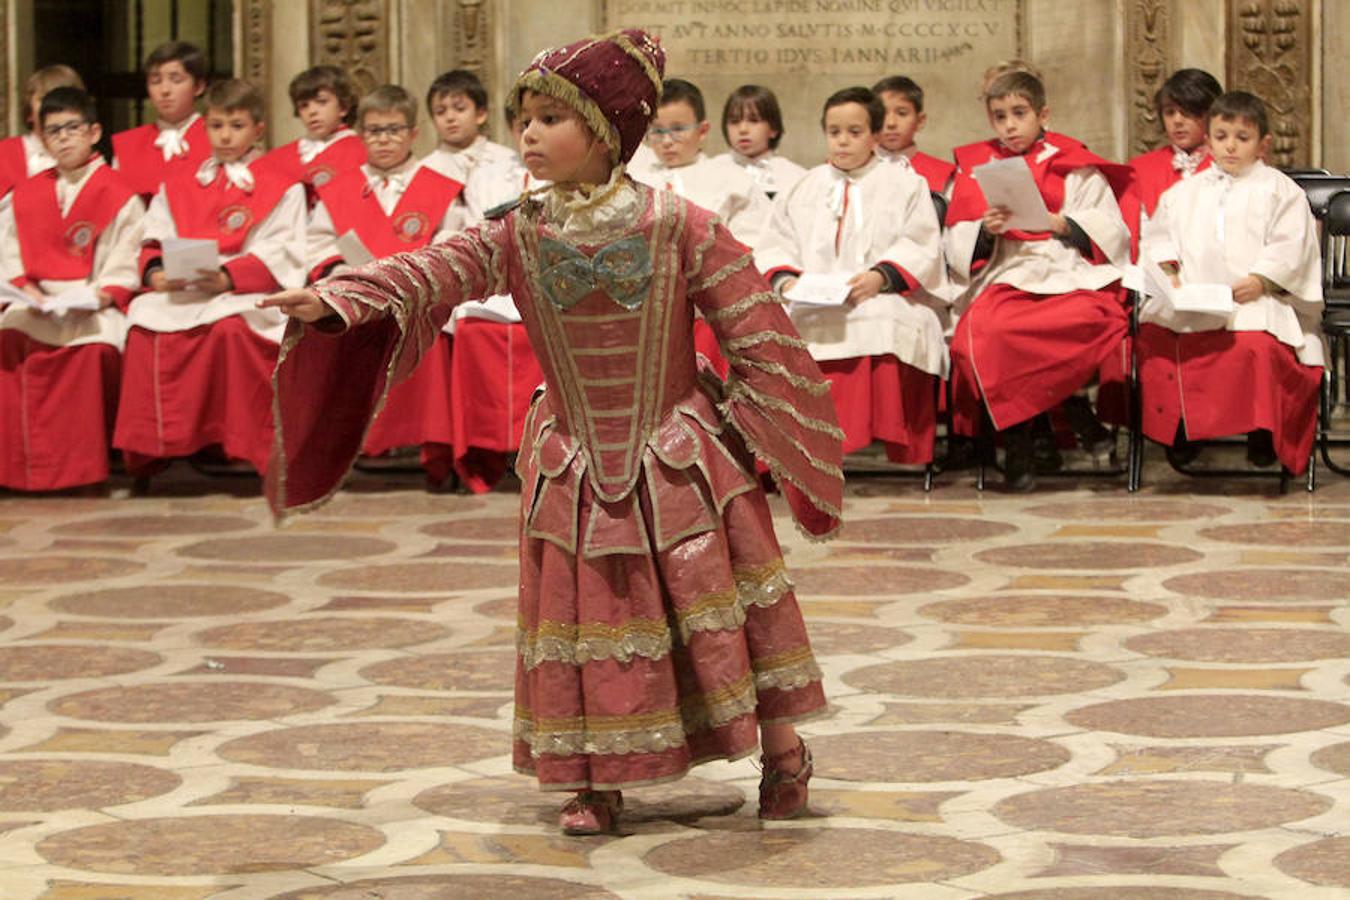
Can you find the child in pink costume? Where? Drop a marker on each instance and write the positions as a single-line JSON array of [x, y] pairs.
[[658, 628]]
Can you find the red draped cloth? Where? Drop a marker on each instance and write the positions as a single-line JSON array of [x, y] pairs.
[[879, 398], [495, 377]]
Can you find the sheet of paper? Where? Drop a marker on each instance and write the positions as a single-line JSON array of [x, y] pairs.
[[1211, 299], [10, 294], [81, 296], [497, 308], [185, 257], [1008, 182], [819, 289], [354, 252]]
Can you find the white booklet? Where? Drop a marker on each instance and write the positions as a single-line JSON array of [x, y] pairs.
[[497, 308], [354, 252], [79, 297], [1008, 182], [185, 257], [819, 289], [1209, 298]]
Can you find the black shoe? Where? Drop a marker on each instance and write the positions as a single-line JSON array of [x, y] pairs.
[[1093, 436], [1182, 453], [961, 454], [1045, 455], [1261, 449], [1019, 474]]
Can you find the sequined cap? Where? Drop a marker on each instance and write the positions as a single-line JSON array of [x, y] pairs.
[[613, 80]]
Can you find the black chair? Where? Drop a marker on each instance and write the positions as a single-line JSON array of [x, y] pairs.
[[1320, 189], [1335, 319], [1305, 173]]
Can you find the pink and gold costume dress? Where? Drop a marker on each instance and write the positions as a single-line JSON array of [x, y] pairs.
[[657, 626]]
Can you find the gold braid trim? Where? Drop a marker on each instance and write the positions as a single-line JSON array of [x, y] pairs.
[[579, 644], [726, 610], [766, 337], [560, 88], [722, 274], [738, 388], [814, 388], [740, 307], [702, 248], [787, 671]]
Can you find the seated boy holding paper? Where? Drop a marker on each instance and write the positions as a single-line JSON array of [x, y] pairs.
[[68, 256], [1042, 307], [1244, 226], [199, 357], [870, 225], [389, 205]]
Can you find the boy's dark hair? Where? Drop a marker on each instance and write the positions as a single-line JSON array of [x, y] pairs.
[[1017, 84], [904, 86], [1190, 90], [235, 93], [677, 90], [753, 98], [876, 110], [190, 55], [68, 99], [389, 98], [307, 84], [458, 81], [1240, 105]]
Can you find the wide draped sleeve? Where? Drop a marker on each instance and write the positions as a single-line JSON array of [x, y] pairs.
[[332, 378], [775, 396]]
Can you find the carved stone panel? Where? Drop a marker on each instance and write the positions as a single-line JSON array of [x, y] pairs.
[[1270, 52], [1147, 56], [472, 26], [256, 19], [353, 34]]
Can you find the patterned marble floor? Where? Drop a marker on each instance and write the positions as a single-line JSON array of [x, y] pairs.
[[1071, 695]]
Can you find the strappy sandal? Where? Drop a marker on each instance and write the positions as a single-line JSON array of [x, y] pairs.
[[783, 795], [591, 812]]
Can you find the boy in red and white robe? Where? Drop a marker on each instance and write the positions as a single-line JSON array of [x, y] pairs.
[[905, 118], [176, 143], [74, 227], [324, 100], [393, 204], [1042, 310], [25, 155], [883, 351], [200, 355], [1256, 371]]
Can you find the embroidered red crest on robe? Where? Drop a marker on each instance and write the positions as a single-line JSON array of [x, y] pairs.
[[344, 155], [221, 211], [58, 247], [353, 206], [142, 165]]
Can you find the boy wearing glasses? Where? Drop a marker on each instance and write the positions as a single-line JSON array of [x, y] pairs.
[[199, 357], [71, 230], [677, 134], [391, 204], [175, 76]]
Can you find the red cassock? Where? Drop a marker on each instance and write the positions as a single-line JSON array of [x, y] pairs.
[[210, 385], [142, 165], [495, 377], [343, 156], [1014, 352], [937, 172], [58, 403], [657, 625], [417, 412]]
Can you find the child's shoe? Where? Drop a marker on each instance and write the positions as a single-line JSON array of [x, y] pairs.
[[1261, 449], [1093, 436], [591, 812], [1019, 465], [783, 795]]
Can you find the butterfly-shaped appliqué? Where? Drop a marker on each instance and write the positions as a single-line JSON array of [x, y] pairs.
[[623, 270]]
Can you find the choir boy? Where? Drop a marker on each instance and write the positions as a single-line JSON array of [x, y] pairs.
[[458, 105], [176, 142], [25, 155], [324, 100], [905, 118], [1044, 307], [858, 216], [1256, 370], [73, 228], [199, 357], [752, 125]]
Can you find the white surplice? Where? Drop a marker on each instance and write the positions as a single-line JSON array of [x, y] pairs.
[[718, 185], [771, 173]]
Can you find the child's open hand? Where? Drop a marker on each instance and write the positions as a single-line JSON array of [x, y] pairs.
[[298, 304], [212, 281], [864, 286], [996, 218], [162, 283], [1247, 289]]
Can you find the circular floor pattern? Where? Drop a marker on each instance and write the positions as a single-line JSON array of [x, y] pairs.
[[210, 845], [422, 577], [368, 746], [494, 528], [518, 801], [1120, 892], [1335, 758], [1104, 509], [446, 887], [828, 638], [805, 858], [188, 701], [398, 505], [152, 526], [1243, 645], [60, 661], [984, 675], [6, 623], [322, 635], [923, 530], [1324, 862], [1262, 585], [287, 548], [61, 569], [1041, 611], [1210, 715], [885, 581], [924, 756], [1090, 555], [500, 608], [461, 670], [55, 784], [1280, 534], [169, 601], [1153, 809]]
